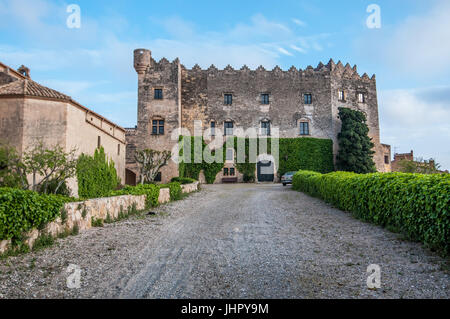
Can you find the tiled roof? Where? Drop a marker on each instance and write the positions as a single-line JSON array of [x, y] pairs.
[[30, 88]]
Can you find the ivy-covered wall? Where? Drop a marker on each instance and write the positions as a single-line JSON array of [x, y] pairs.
[[294, 154]]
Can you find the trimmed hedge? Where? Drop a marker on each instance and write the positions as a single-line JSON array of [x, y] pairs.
[[22, 210], [413, 204], [183, 180], [150, 190]]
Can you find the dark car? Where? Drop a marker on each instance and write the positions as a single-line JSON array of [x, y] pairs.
[[287, 178]]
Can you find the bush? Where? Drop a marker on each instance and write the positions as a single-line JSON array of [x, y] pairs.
[[175, 190], [183, 180], [413, 204], [97, 176], [22, 210], [150, 190]]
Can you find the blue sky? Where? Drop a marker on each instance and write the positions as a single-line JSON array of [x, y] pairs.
[[410, 53]]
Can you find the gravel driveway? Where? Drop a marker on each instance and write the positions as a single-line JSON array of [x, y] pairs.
[[233, 241]]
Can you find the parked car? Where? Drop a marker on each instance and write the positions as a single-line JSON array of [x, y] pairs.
[[287, 178]]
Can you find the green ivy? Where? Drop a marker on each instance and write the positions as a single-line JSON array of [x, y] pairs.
[[294, 154], [97, 176], [416, 205]]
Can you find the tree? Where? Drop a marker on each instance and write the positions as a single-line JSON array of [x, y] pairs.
[[12, 170], [150, 162], [419, 165], [49, 166], [355, 146]]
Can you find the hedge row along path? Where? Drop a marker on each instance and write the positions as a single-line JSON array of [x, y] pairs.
[[235, 241]]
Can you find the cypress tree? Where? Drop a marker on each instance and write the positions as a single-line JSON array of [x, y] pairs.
[[355, 146]]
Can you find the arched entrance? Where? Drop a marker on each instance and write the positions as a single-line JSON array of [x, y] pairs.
[[265, 170]]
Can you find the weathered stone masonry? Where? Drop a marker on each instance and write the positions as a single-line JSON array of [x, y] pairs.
[[198, 94]]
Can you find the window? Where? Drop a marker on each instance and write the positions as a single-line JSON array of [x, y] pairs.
[[118, 149], [386, 159], [308, 98], [228, 128], [361, 98], [231, 171], [265, 128], [225, 171], [99, 142], [228, 99], [304, 128], [158, 127], [229, 155], [158, 94], [213, 128], [158, 177], [264, 98], [341, 95]]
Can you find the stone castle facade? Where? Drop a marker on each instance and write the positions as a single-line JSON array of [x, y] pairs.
[[298, 102]]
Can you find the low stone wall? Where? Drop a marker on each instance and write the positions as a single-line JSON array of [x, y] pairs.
[[81, 213], [189, 188], [164, 195]]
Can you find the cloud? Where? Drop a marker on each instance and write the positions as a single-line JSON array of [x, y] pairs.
[[299, 22], [296, 48], [259, 29], [285, 52], [418, 45], [80, 62], [417, 119]]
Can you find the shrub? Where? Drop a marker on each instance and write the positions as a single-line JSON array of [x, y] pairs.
[[183, 180], [97, 176], [413, 204], [175, 190], [22, 210], [150, 190], [96, 222]]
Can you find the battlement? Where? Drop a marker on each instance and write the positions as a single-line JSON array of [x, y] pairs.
[[330, 68], [143, 61]]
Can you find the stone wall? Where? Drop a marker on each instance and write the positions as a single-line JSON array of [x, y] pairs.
[[80, 214]]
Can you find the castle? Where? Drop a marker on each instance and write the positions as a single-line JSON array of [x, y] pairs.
[[300, 103]]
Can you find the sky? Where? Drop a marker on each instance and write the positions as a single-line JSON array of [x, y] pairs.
[[409, 53]]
